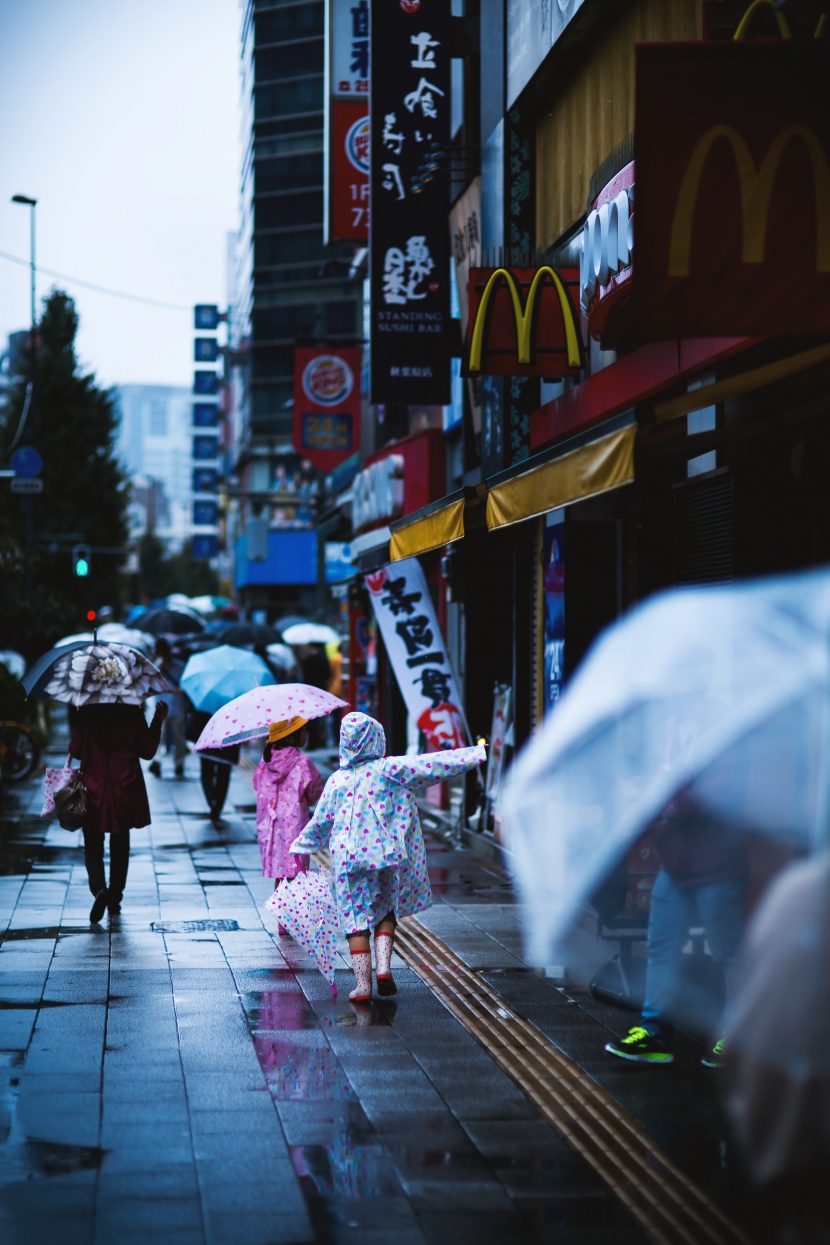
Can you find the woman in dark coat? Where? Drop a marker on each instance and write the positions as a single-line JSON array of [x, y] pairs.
[[109, 739]]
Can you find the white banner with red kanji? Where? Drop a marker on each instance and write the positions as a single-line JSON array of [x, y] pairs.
[[413, 640]]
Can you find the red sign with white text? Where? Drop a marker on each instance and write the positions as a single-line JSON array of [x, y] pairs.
[[326, 403], [348, 184]]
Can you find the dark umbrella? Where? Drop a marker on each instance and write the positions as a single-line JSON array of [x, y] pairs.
[[92, 673], [248, 634], [167, 621], [40, 671]]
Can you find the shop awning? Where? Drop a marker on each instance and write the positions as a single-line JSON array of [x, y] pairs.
[[430, 528], [606, 462]]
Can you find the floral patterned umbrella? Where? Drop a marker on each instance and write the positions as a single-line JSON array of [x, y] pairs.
[[305, 906], [101, 674], [250, 715]]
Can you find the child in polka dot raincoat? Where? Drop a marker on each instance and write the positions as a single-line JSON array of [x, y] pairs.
[[368, 815]]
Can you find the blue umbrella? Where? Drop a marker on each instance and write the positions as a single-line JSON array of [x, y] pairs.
[[213, 678]]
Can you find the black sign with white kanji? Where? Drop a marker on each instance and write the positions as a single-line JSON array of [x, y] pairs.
[[408, 239]]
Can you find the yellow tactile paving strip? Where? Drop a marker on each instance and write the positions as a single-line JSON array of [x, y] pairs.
[[670, 1208]]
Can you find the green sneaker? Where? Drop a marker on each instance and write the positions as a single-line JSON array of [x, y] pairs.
[[640, 1046], [714, 1057]]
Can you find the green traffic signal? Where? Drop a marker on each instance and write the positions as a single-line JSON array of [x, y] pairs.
[[81, 561]]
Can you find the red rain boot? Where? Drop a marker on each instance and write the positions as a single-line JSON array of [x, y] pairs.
[[362, 968], [383, 959]]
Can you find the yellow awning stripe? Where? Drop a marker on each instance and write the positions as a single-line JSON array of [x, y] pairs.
[[604, 464], [430, 532]]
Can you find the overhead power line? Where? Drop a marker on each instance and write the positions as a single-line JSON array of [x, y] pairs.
[[99, 289]]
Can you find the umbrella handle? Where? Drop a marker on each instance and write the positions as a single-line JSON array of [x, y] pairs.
[[333, 990]]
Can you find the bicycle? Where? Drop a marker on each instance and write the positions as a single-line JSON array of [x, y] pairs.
[[19, 751]]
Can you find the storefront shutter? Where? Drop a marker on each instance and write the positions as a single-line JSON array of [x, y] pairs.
[[703, 529]]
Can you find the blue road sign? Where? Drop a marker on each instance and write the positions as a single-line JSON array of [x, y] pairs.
[[205, 414], [206, 316], [205, 480], [205, 382], [27, 462], [205, 349], [205, 447], [205, 546], [205, 513]]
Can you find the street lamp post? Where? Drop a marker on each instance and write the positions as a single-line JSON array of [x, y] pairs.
[[33, 411]]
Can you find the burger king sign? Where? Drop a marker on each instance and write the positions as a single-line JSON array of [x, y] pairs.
[[326, 404]]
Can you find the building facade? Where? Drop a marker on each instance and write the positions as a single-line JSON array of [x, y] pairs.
[[155, 445], [291, 289]]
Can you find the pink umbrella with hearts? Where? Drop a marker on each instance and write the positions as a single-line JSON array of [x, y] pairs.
[[251, 715], [306, 907]]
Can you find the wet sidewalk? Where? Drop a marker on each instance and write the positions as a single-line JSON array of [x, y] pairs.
[[183, 1072]]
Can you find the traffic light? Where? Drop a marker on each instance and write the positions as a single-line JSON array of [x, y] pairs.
[[91, 615], [81, 561]]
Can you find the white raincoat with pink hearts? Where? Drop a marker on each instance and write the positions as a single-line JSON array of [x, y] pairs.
[[368, 817]]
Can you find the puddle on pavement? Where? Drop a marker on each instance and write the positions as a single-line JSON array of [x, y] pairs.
[[24, 1158], [16, 1005], [41, 932], [22, 850], [284, 1011], [297, 1072], [345, 1169]]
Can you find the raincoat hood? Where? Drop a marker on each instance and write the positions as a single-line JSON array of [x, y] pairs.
[[361, 739], [282, 762]]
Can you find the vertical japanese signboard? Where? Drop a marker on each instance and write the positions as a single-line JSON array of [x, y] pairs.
[[412, 638], [409, 240], [326, 403], [347, 121]]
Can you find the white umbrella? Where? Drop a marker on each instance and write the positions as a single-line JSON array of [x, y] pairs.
[[282, 656], [311, 633], [724, 691], [117, 633]]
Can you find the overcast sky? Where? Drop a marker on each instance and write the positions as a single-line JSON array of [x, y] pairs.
[[121, 117]]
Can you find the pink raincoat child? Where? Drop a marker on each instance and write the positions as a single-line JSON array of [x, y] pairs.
[[368, 815], [286, 784]]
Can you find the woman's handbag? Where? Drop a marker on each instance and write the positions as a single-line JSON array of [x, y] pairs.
[[72, 803]]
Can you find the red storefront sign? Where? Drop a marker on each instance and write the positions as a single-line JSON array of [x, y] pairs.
[[732, 150], [523, 322], [403, 477], [348, 185], [326, 403]]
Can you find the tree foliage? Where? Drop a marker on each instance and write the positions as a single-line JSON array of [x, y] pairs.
[[73, 423], [181, 572]]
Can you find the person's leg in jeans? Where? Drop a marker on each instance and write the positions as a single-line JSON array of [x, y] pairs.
[[94, 860], [672, 912], [179, 743], [119, 864], [722, 911]]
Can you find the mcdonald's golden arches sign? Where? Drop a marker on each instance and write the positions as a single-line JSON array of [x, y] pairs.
[[524, 322], [732, 151]]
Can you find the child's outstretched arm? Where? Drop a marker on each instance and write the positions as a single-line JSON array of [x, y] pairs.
[[317, 831], [430, 767]]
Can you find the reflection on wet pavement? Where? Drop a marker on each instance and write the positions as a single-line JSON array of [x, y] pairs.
[[27, 1158]]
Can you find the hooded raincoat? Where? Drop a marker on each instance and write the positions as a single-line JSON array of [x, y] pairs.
[[368, 816], [285, 788]]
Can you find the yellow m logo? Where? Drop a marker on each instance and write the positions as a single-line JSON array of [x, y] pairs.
[[756, 189], [524, 316]]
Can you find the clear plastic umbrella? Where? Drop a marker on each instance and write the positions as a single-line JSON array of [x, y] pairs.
[[722, 693]]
